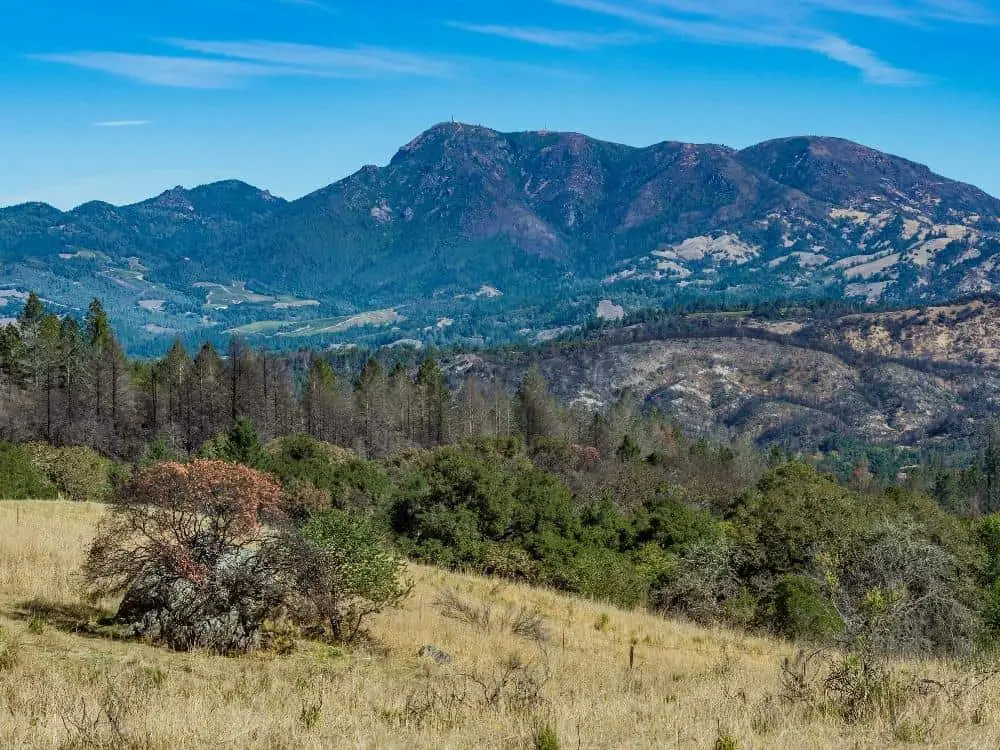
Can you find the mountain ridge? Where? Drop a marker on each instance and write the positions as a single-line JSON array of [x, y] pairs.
[[556, 221], [567, 133]]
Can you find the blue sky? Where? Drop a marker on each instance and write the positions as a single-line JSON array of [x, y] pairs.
[[118, 100]]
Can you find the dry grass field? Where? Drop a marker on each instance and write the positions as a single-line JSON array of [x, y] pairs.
[[64, 686]]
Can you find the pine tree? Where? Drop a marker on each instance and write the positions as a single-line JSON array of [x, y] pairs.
[[71, 366], [433, 396], [370, 393], [318, 399], [536, 407], [174, 373], [32, 312], [209, 396], [98, 340]]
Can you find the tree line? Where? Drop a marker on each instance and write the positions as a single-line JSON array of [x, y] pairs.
[[66, 382]]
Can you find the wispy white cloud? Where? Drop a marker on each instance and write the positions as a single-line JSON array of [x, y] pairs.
[[308, 59], [904, 11], [874, 69], [122, 123], [763, 23], [167, 70], [913, 11], [565, 39], [231, 64]]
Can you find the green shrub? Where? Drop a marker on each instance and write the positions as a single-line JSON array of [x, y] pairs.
[[158, 450], [80, 474], [797, 609], [509, 561], [20, 479], [352, 483], [599, 573], [345, 573], [240, 444], [789, 517], [668, 520], [546, 738]]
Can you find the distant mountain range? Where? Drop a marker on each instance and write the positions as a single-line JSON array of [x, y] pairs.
[[471, 235]]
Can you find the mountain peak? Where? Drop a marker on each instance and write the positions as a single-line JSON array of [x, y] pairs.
[[446, 135]]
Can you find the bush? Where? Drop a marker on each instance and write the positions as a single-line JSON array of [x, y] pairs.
[[703, 585], [343, 574], [186, 547], [352, 483], [667, 520], [79, 473], [600, 573], [462, 501], [19, 478], [797, 609], [901, 592], [856, 687], [546, 738], [302, 499], [240, 444], [791, 516]]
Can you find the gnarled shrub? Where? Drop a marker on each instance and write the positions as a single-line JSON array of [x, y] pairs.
[[199, 553], [186, 546]]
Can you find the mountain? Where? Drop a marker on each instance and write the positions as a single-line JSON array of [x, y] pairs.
[[471, 235]]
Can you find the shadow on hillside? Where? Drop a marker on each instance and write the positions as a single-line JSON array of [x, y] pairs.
[[80, 619]]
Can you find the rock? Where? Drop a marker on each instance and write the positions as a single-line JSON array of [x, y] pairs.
[[223, 613], [608, 310], [433, 652]]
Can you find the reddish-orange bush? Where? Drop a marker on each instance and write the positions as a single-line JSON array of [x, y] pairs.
[[208, 488], [182, 518], [185, 544]]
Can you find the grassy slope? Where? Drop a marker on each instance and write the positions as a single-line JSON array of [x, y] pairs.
[[686, 684]]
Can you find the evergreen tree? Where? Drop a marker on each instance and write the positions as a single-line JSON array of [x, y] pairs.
[[319, 399], [370, 394], [537, 410], [71, 350], [209, 396], [432, 393], [32, 312]]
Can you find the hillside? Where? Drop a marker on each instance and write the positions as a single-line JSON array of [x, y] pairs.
[[453, 240], [921, 376], [67, 687]]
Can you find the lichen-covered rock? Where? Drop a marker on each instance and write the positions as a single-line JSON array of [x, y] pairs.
[[224, 612]]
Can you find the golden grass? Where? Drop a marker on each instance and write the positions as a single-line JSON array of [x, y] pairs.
[[688, 685]]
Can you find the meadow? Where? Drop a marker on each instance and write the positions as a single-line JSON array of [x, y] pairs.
[[529, 668]]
